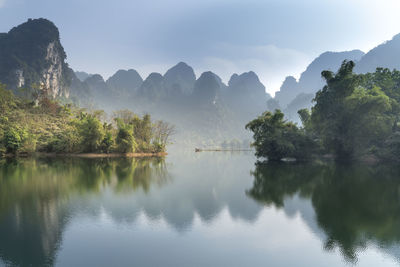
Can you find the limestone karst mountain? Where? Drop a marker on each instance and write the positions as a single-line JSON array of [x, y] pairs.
[[207, 89], [32, 54], [82, 75], [386, 55], [152, 87], [179, 79], [124, 83], [289, 88], [310, 80], [246, 95]]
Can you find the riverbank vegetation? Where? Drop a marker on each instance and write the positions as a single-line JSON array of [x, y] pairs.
[[40, 124], [354, 116]]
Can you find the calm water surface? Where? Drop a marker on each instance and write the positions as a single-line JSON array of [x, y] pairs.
[[197, 209]]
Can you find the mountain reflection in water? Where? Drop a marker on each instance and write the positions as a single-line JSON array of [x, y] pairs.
[[350, 207]]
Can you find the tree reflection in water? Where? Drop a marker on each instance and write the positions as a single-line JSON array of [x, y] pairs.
[[34, 196], [354, 204]]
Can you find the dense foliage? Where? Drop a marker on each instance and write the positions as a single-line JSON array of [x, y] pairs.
[[276, 138], [43, 125], [354, 116]]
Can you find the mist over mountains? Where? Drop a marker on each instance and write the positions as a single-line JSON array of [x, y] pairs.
[[294, 95], [205, 110]]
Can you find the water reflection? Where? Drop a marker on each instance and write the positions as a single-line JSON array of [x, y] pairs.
[[347, 207], [37, 198], [355, 205]]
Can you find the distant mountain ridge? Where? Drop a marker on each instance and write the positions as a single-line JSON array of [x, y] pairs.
[[292, 92], [31, 55], [386, 55], [310, 80]]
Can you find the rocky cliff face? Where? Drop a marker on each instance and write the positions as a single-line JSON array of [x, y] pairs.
[[31, 55], [52, 75]]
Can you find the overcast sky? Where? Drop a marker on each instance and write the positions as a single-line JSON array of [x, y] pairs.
[[274, 38]]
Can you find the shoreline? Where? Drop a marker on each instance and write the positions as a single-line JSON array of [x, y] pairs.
[[88, 155]]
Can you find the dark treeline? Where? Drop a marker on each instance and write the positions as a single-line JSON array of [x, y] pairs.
[[39, 124], [354, 116]]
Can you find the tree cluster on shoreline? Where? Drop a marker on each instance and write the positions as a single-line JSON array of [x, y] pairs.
[[40, 124], [354, 116]]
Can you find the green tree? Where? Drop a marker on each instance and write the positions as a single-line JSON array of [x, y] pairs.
[[142, 131], [107, 142], [125, 140], [348, 117], [276, 138], [14, 139], [91, 132], [329, 118]]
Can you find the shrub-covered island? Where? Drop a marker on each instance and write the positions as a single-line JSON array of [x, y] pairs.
[[40, 124], [355, 116]]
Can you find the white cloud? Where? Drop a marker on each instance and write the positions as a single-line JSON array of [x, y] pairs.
[[271, 63], [2, 2]]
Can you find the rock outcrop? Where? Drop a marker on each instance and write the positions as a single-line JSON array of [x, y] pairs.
[[31, 55]]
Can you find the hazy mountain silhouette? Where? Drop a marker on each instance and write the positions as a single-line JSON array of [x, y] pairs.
[[386, 55], [32, 54], [289, 88], [310, 80], [179, 79], [302, 100], [82, 76], [125, 83], [246, 95], [98, 89], [152, 88], [207, 89]]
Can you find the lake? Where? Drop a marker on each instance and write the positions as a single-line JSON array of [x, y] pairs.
[[197, 209]]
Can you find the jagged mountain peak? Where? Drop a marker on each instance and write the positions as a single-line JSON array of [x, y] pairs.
[[122, 72], [41, 29], [95, 78], [82, 75], [31, 53], [247, 84], [180, 79], [250, 76], [152, 87], [288, 91], [180, 66], [206, 88], [125, 82], [208, 77], [154, 76]]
